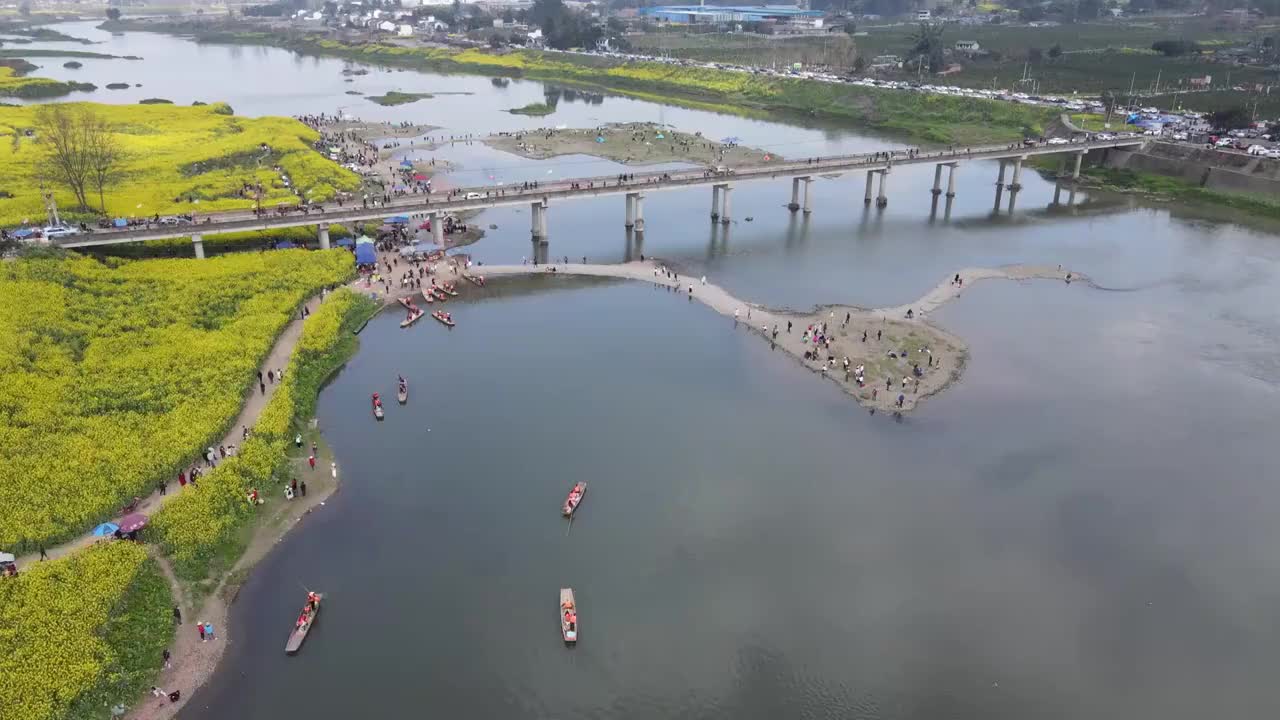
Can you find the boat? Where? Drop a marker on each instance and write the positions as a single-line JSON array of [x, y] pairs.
[[377, 406], [568, 616], [415, 314], [306, 620], [441, 295], [426, 295], [406, 303], [575, 498], [448, 289], [402, 393], [475, 279], [443, 317]]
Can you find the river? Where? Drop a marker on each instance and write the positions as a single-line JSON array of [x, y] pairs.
[[1082, 527]]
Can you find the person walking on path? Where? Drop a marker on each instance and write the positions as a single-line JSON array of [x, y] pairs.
[[177, 615], [200, 628], [208, 630], [312, 461], [162, 487], [303, 487], [166, 656], [43, 555]]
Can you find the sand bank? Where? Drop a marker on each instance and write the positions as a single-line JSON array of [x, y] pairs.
[[631, 144]]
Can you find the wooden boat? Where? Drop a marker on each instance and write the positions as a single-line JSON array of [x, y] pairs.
[[426, 295], [306, 620], [575, 498], [475, 279], [441, 295], [414, 316], [443, 317], [568, 616], [449, 289], [377, 406], [402, 394]]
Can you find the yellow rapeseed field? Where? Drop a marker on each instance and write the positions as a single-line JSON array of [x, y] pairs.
[[178, 160], [80, 633], [114, 376]]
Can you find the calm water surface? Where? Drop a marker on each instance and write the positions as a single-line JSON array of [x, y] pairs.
[[1082, 527]]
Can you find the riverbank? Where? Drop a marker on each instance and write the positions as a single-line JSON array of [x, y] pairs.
[[904, 358], [629, 144], [932, 118]]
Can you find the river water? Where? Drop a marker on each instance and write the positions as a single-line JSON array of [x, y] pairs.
[[1082, 527]]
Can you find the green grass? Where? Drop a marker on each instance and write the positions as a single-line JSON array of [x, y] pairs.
[[22, 53], [398, 98], [1176, 189], [537, 109]]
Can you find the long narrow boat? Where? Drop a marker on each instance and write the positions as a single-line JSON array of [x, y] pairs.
[[475, 279], [426, 295], [406, 303], [448, 289], [443, 317], [414, 316], [377, 406], [568, 616], [575, 498], [306, 620], [402, 394], [441, 295]]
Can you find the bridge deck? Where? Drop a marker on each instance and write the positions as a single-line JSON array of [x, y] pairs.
[[575, 188]]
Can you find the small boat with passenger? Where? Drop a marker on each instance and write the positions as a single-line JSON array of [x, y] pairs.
[[402, 392], [443, 317], [377, 406], [575, 498], [568, 616], [477, 280], [302, 626]]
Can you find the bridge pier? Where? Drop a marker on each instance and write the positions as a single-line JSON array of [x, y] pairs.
[[630, 222], [639, 210], [795, 194], [322, 233], [937, 179], [866, 198], [715, 202], [951, 184], [1075, 172], [437, 228], [198, 243], [1015, 185], [539, 220], [882, 200], [1057, 190], [725, 214]]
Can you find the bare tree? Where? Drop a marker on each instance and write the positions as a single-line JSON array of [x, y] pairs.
[[105, 156], [61, 131]]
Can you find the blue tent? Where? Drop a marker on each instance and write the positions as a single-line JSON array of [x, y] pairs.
[[24, 233], [397, 220], [406, 164], [365, 255], [106, 528], [346, 242], [286, 245], [120, 222]]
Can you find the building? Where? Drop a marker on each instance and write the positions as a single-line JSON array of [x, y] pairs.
[[923, 15], [713, 15], [967, 46]]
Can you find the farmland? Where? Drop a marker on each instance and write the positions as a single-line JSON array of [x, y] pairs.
[[113, 376], [177, 160], [80, 634]]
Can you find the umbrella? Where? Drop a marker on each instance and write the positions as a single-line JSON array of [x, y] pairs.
[[419, 176], [406, 164], [346, 242], [105, 529], [132, 522]]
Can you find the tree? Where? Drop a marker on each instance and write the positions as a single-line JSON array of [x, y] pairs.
[[1055, 51], [1174, 48], [60, 130], [113, 13], [104, 155], [1232, 118], [859, 64], [1088, 9], [1035, 54], [495, 41], [926, 42]]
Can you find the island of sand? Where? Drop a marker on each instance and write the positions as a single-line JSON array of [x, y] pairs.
[[630, 144], [887, 359]]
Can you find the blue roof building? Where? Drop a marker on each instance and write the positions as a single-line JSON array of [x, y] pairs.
[[701, 14]]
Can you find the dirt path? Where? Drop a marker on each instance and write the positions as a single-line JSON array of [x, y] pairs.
[[254, 402]]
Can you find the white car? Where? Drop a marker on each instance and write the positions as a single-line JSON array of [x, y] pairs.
[[473, 196], [57, 231], [1057, 141]]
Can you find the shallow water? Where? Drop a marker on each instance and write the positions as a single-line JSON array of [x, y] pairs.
[[1080, 527]]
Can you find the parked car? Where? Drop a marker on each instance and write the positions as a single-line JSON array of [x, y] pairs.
[[57, 231]]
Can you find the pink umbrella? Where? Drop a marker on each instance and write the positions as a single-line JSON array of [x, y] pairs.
[[132, 522]]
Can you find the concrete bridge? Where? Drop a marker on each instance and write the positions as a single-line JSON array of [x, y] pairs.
[[878, 167]]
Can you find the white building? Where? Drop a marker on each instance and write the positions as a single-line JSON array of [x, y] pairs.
[[387, 26]]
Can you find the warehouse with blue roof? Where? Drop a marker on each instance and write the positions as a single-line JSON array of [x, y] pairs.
[[711, 14]]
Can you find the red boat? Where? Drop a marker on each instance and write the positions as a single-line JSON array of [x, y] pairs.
[[443, 317], [575, 498], [377, 406]]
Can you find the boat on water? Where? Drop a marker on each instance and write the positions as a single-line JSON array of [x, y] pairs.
[[415, 314], [306, 620], [377, 406], [568, 616], [475, 279], [575, 498], [443, 317], [441, 295], [402, 393], [426, 295], [449, 289]]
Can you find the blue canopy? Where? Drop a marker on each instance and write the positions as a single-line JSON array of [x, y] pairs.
[[120, 222], [365, 255], [24, 233], [346, 242], [105, 528], [406, 163], [286, 245], [397, 220]]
